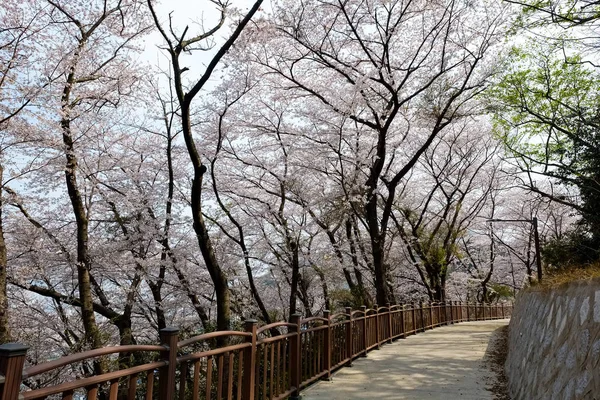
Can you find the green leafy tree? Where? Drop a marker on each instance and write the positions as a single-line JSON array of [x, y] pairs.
[[547, 114]]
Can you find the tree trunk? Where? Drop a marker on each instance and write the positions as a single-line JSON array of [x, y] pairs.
[[324, 286], [92, 333], [155, 288], [485, 281], [361, 294], [206, 247], [377, 250], [295, 276], [436, 283]]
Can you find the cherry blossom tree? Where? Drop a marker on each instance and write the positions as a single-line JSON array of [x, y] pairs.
[[457, 177], [19, 86], [177, 44], [396, 76]]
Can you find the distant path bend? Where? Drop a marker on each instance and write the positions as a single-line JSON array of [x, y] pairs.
[[444, 363]]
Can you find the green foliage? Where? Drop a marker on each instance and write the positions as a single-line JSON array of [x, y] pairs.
[[500, 291], [342, 298], [565, 13], [577, 248], [547, 113]]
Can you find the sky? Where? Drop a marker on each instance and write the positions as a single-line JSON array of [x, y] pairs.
[[195, 14]]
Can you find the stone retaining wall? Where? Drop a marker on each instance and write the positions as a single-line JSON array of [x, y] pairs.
[[554, 343]]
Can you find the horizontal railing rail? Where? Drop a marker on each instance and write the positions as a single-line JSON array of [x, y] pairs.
[[273, 362]]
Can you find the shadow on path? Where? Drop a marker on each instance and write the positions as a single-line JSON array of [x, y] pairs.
[[444, 363]]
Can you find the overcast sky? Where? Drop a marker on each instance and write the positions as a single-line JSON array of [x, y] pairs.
[[195, 14]]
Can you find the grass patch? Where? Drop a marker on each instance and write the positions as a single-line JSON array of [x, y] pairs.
[[557, 277]]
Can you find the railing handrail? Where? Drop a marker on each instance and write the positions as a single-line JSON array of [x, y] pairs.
[[212, 352], [311, 319], [338, 315], [210, 335], [92, 380], [72, 358], [275, 325]]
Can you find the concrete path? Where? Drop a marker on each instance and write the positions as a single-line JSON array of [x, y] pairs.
[[443, 363]]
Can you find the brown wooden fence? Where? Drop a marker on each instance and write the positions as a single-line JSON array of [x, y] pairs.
[[275, 361]]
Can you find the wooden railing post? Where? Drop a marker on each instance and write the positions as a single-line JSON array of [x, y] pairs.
[[502, 309], [442, 313], [166, 378], [296, 358], [365, 330], [456, 318], [456, 311], [12, 359], [249, 370], [453, 311], [376, 308], [402, 324], [422, 305], [327, 349], [468, 316], [414, 316], [431, 313], [444, 309], [390, 327], [349, 346]]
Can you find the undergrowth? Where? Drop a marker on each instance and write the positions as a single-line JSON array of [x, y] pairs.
[[557, 277]]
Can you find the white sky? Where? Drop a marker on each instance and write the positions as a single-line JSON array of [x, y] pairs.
[[195, 14]]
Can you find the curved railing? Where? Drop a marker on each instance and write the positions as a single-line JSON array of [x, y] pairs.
[[275, 361]]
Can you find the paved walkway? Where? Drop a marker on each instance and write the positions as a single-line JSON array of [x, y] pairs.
[[443, 363]]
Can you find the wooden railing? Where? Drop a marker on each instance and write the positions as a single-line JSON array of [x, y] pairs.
[[275, 361]]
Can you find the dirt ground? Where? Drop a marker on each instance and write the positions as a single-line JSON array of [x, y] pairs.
[[494, 359]]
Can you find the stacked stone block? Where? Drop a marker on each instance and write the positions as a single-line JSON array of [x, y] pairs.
[[554, 343]]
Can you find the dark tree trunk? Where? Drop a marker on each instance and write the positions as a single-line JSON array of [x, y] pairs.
[[295, 276], [325, 287], [377, 251], [361, 295], [486, 280], [206, 247], [155, 288], [92, 333]]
